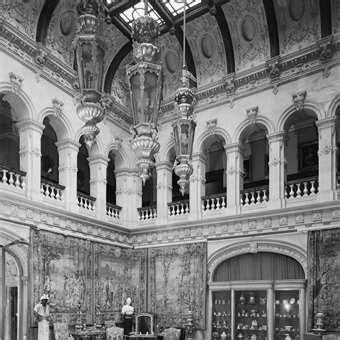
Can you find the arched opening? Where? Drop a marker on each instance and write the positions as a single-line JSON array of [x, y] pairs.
[[149, 197], [9, 137], [215, 178], [254, 164], [260, 294], [111, 180], [301, 154]]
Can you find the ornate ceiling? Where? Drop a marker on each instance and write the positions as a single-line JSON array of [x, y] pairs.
[[224, 36]]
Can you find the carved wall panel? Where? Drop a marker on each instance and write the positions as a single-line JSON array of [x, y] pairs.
[[207, 47], [120, 86], [171, 64], [119, 273], [335, 15], [177, 283], [22, 14], [324, 276], [298, 23], [248, 28]]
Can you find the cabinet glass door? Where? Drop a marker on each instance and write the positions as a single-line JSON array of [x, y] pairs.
[[221, 316], [287, 315], [251, 315]]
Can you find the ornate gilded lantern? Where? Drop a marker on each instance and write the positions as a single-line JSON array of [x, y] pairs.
[[144, 78], [89, 51], [184, 125]]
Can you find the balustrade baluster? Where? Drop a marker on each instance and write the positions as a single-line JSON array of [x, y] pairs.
[[312, 188], [291, 192], [265, 196], [305, 189], [17, 180], [223, 202], [11, 179], [258, 197], [4, 176]]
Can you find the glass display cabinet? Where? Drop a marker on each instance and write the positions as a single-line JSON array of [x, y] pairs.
[[287, 316], [251, 315], [221, 316]]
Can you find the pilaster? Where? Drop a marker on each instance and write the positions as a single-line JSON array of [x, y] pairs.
[[98, 166], [164, 190], [234, 173], [197, 186], [68, 152], [327, 159], [30, 133], [128, 194], [276, 170]]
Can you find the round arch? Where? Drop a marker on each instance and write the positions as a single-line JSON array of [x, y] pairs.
[[59, 122], [273, 246], [308, 105], [198, 143], [333, 106], [23, 108], [122, 160], [261, 120]]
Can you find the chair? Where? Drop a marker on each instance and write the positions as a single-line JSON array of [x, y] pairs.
[[114, 333], [171, 334], [144, 323], [61, 331]]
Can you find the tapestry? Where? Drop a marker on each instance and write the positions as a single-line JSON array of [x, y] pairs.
[[62, 269], [324, 277], [177, 284], [119, 273]]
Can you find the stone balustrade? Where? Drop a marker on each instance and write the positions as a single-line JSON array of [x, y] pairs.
[[147, 213], [12, 177], [301, 188], [52, 190], [113, 210], [254, 196], [178, 208], [86, 202], [214, 202]]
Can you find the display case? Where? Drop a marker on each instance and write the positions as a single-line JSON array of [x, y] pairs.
[[287, 315], [221, 316], [251, 315]]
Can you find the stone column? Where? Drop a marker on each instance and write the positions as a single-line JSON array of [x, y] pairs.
[[2, 293], [234, 173], [164, 190], [68, 152], [98, 166], [327, 159], [128, 194], [30, 156], [197, 186], [276, 170]]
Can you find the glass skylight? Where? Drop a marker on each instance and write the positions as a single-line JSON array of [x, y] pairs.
[[177, 8], [135, 11]]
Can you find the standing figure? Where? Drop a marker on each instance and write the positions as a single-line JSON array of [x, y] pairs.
[[42, 313], [127, 314]]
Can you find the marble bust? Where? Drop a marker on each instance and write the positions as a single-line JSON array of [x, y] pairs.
[[127, 309]]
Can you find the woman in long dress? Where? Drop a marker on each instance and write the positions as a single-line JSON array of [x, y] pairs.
[[42, 312]]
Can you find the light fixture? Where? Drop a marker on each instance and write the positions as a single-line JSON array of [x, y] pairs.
[[89, 51], [184, 125], [144, 78]]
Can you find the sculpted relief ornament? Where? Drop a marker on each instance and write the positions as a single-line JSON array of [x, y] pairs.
[[299, 100]]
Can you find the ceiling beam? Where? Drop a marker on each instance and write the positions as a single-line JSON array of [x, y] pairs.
[[325, 17], [118, 58], [272, 27], [227, 41], [44, 20]]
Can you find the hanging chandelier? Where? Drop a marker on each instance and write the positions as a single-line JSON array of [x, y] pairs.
[[144, 78], [89, 51], [184, 124]]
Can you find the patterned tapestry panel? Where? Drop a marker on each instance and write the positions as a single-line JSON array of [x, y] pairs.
[[62, 269], [177, 283], [119, 273], [324, 276]]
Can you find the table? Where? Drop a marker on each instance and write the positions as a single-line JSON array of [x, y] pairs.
[[89, 334]]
